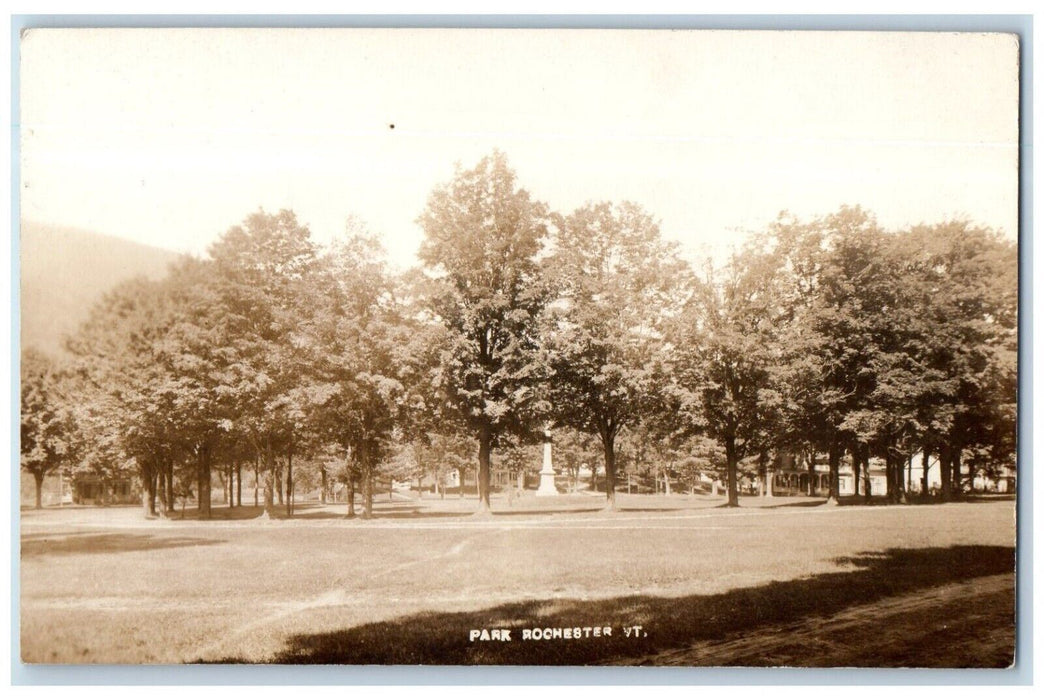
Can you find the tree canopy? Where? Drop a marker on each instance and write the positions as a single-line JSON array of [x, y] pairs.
[[831, 337]]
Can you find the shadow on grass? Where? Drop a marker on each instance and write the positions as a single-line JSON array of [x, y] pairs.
[[819, 501], [415, 514], [219, 513], [671, 623], [379, 514], [224, 513], [986, 497], [315, 511], [665, 509], [37, 545], [815, 501], [544, 511]]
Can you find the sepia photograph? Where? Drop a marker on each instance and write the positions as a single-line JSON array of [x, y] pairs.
[[518, 347]]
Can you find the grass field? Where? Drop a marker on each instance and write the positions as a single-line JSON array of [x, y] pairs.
[[777, 582]]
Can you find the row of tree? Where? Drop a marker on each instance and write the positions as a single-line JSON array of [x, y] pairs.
[[826, 337]]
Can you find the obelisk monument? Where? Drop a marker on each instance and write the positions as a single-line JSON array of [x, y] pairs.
[[547, 473]]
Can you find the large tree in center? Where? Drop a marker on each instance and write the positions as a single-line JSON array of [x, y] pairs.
[[365, 350], [618, 282], [264, 268], [725, 349], [483, 236], [840, 298]]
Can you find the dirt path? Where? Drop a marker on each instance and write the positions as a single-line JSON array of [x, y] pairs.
[[966, 624]]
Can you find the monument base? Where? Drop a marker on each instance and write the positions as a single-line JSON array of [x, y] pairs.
[[547, 484]]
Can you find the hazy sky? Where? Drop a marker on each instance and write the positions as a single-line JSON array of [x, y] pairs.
[[169, 137]]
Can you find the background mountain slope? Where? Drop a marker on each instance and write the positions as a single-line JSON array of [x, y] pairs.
[[64, 271]]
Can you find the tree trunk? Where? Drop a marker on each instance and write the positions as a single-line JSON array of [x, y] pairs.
[[268, 505], [257, 479], [900, 482], [38, 477], [161, 490], [857, 472], [322, 485], [150, 504], [945, 473], [485, 452], [834, 460], [166, 489], [763, 471], [203, 495], [890, 474], [239, 484], [170, 484], [909, 473], [925, 456], [367, 494], [609, 450], [956, 488], [277, 469], [271, 470], [811, 457], [864, 459], [351, 496], [731, 468], [290, 479]]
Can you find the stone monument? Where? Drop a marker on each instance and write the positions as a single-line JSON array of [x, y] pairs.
[[547, 473]]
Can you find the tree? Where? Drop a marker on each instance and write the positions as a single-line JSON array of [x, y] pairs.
[[519, 458], [618, 283], [837, 290], [365, 349], [483, 236], [894, 342], [808, 409], [262, 273], [725, 346], [575, 450], [704, 461], [962, 285], [439, 454], [127, 393], [46, 420]]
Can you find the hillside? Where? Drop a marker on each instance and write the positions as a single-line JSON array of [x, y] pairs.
[[64, 271]]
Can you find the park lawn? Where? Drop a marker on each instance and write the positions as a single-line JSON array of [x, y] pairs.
[[104, 587]]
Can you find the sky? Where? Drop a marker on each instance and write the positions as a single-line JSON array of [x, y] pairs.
[[171, 136]]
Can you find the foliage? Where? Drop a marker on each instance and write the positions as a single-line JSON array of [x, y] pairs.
[[828, 336], [617, 284], [726, 347], [46, 418], [483, 236]]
